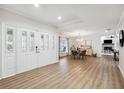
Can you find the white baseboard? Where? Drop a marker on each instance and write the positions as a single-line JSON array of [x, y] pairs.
[[6, 76], [121, 71]]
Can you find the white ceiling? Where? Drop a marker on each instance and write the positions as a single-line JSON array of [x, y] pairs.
[[83, 19]]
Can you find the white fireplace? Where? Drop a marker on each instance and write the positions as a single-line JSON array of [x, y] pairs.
[[107, 48]]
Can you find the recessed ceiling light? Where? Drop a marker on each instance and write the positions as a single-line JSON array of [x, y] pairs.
[[106, 31], [59, 17], [36, 5]]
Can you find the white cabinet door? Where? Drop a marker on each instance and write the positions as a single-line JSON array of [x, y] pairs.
[[9, 49]]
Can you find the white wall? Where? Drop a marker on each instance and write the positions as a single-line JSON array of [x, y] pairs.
[[121, 60], [0, 51], [47, 56], [121, 49], [25, 22]]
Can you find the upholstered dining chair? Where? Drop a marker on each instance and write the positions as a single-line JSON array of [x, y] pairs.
[[74, 53]]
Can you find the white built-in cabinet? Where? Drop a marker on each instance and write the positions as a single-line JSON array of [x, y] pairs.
[[25, 49]]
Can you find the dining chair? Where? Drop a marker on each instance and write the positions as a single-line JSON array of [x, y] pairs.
[[83, 54]]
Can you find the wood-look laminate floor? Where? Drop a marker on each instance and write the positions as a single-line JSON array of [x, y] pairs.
[[69, 73]]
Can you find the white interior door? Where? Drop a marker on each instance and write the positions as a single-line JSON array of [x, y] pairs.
[[25, 49], [9, 44], [27, 58], [47, 46], [42, 49], [33, 50]]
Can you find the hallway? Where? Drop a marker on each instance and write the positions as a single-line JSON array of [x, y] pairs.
[[68, 73]]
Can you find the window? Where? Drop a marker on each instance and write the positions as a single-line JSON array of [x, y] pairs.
[[63, 45]]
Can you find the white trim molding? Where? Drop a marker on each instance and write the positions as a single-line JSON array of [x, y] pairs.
[[121, 70]]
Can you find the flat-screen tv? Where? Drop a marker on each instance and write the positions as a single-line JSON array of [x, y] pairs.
[[107, 41]]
